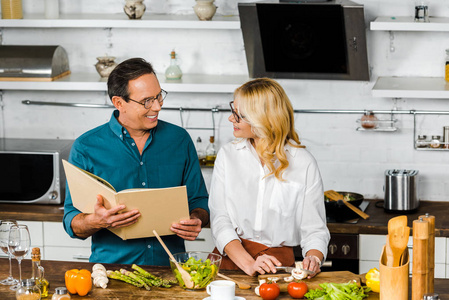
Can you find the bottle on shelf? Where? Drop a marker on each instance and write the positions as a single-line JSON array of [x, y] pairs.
[[368, 120], [211, 152], [200, 152], [446, 70], [446, 137], [173, 72], [37, 272]]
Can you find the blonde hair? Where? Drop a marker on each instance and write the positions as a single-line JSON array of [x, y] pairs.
[[268, 110]]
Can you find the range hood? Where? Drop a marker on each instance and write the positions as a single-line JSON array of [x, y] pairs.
[[301, 40]]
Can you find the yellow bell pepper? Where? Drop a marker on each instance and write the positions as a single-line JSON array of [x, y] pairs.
[[78, 281], [373, 280]]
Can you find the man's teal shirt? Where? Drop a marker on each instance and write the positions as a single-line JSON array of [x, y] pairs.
[[169, 159]]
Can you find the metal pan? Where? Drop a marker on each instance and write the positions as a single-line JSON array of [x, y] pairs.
[[338, 211]]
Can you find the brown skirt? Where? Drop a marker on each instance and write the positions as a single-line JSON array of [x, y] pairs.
[[284, 254]]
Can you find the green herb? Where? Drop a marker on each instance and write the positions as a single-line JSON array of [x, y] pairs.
[[338, 291]]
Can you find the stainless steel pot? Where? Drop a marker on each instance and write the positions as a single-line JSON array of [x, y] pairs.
[[401, 190]]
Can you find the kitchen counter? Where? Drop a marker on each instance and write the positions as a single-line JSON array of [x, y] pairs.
[[378, 220], [376, 224], [55, 270]]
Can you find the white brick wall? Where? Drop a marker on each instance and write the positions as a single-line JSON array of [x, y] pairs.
[[349, 160]]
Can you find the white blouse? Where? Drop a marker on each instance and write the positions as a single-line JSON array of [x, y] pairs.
[[244, 204]]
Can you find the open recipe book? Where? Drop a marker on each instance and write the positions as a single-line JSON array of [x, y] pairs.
[[159, 208]]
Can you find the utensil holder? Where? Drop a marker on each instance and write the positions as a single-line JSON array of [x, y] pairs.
[[394, 280]]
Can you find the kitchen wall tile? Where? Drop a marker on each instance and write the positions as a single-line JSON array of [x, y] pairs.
[[348, 159]]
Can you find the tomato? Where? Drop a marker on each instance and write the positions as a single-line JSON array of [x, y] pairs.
[[297, 289], [269, 291]]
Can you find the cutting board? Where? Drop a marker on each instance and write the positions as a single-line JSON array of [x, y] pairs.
[[313, 283]]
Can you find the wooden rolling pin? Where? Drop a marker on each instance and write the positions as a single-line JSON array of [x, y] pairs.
[[419, 269], [431, 253]]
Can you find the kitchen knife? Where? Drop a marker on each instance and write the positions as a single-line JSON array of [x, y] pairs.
[[290, 269]]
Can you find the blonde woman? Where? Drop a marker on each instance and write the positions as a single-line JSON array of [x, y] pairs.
[[266, 193]]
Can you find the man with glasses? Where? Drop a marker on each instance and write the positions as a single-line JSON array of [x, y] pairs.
[[136, 149]]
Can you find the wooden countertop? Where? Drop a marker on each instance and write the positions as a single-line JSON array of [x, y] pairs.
[[55, 270], [378, 220], [32, 212], [376, 224]]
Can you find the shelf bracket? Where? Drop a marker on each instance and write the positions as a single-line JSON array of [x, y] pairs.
[[213, 110], [2, 105], [392, 48], [414, 128]]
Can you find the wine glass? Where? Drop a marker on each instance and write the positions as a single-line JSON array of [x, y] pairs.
[[19, 244], [4, 236]]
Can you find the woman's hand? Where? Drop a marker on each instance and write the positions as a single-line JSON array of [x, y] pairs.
[[265, 264], [312, 263]]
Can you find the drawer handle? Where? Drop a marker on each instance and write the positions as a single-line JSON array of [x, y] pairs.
[[80, 257], [200, 240]]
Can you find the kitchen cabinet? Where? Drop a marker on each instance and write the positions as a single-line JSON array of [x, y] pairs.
[[197, 83], [370, 249], [36, 233], [204, 242], [56, 244], [410, 87]]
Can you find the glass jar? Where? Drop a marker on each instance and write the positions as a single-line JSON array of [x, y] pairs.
[[435, 141], [421, 142], [28, 290], [61, 294], [368, 120], [421, 11]]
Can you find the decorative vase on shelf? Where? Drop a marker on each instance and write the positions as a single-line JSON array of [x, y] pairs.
[[205, 9], [134, 9], [173, 71], [105, 65]]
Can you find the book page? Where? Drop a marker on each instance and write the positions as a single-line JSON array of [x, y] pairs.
[[159, 208], [84, 188]]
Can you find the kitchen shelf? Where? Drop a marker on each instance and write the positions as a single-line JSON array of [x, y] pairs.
[[431, 149], [411, 87], [190, 83], [381, 125], [408, 24], [121, 21]]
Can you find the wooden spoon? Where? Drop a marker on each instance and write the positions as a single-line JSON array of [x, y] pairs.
[[242, 285], [398, 233], [333, 195], [184, 274], [389, 252]]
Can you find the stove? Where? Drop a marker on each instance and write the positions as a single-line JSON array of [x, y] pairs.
[[343, 249]]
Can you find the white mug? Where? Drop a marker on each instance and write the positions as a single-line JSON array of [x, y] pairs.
[[221, 290]]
